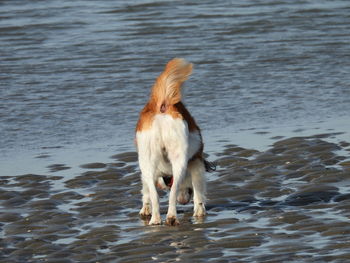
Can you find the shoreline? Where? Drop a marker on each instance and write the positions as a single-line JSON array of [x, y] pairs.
[[257, 137]]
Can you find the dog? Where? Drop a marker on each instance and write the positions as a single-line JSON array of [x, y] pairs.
[[170, 148]]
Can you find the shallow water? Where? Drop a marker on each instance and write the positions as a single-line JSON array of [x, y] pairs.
[[270, 91], [75, 72]]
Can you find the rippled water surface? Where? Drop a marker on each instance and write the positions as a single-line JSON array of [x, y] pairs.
[[270, 91], [79, 71]]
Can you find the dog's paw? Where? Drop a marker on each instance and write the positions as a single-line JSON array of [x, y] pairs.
[[172, 221], [155, 220], [199, 210], [145, 212]]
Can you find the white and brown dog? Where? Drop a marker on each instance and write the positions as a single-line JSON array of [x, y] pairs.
[[170, 147]]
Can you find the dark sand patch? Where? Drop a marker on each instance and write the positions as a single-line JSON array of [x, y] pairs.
[[93, 166], [57, 167]]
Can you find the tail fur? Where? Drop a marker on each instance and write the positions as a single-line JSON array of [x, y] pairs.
[[209, 166], [167, 89]]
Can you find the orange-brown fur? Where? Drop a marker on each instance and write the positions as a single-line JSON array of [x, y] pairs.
[[170, 97]]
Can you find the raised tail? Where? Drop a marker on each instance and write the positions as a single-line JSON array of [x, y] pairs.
[[167, 89]]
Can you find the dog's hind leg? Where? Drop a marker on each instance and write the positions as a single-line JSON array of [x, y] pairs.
[[146, 201], [179, 162], [155, 219], [150, 197], [196, 169], [150, 200], [147, 157], [178, 173]]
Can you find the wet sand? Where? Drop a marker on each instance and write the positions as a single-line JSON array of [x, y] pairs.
[[288, 203]]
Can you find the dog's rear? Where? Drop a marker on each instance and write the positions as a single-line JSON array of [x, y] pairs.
[[169, 142]]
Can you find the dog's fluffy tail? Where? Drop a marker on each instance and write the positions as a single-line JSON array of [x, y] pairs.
[[167, 89]]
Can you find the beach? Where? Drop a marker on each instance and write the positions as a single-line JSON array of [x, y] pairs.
[[269, 90], [285, 202]]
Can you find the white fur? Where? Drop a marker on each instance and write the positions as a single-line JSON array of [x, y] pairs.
[[165, 149]]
